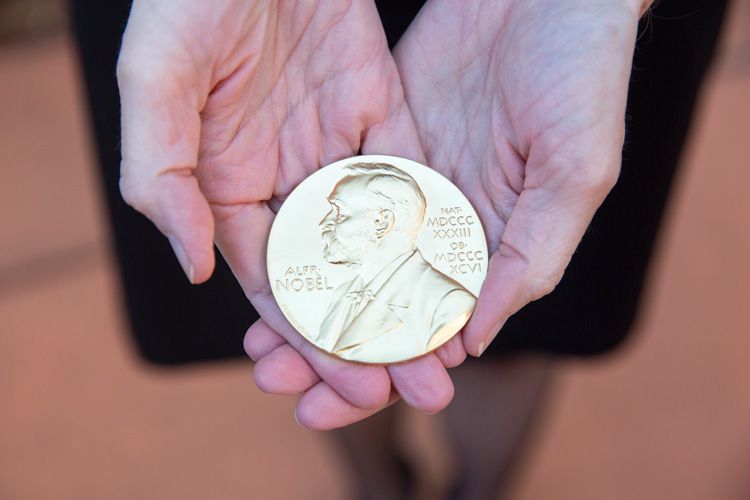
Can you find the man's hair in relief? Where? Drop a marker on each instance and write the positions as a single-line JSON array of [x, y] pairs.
[[393, 189]]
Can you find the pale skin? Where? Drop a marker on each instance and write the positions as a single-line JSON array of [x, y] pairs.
[[228, 105]]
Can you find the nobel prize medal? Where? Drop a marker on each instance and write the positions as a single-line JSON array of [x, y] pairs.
[[377, 259]]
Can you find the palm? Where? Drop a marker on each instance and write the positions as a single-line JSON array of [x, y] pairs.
[[303, 104], [522, 106], [292, 100]]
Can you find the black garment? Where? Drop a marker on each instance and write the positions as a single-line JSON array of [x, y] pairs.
[[590, 312]]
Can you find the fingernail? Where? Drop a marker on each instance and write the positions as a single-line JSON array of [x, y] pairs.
[[493, 333], [182, 257]]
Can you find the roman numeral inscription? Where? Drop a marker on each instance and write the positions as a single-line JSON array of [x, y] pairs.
[[452, 224], [462, 262]]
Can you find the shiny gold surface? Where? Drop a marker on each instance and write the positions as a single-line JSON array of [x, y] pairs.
[[377, 259]]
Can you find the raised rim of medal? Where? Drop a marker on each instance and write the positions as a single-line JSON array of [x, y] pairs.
[[290, 317]]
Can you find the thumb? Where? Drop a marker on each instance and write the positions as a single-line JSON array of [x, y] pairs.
[[160, 121], [548, 221]]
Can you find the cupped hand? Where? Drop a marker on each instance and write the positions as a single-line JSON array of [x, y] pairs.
[[522, 104], [226, 107]]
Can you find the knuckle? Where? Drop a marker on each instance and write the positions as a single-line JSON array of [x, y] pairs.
[[126, 69], [593, 177], [602, 180], [596, 174], [543, 288], [134, 193], [582, 167], [546, 284], [135, 71]]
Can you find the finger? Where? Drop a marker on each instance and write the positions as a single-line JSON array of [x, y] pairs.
[[561, 194], [452, 353], [284, 371], [322, 408], [160, 103], [241, 233], [260, 340], [423, 383]]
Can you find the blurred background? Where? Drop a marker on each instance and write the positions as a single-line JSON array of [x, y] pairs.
[[81, 417]]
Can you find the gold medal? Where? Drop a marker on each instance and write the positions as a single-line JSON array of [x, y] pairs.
[[377, 259]]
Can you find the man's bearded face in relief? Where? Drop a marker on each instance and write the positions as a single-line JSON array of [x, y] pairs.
[[348, 230]]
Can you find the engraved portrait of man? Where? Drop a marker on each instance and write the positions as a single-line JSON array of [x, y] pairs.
[[397, 305]]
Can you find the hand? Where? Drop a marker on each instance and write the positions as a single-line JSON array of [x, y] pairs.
[[522, 105], [226, 107]]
